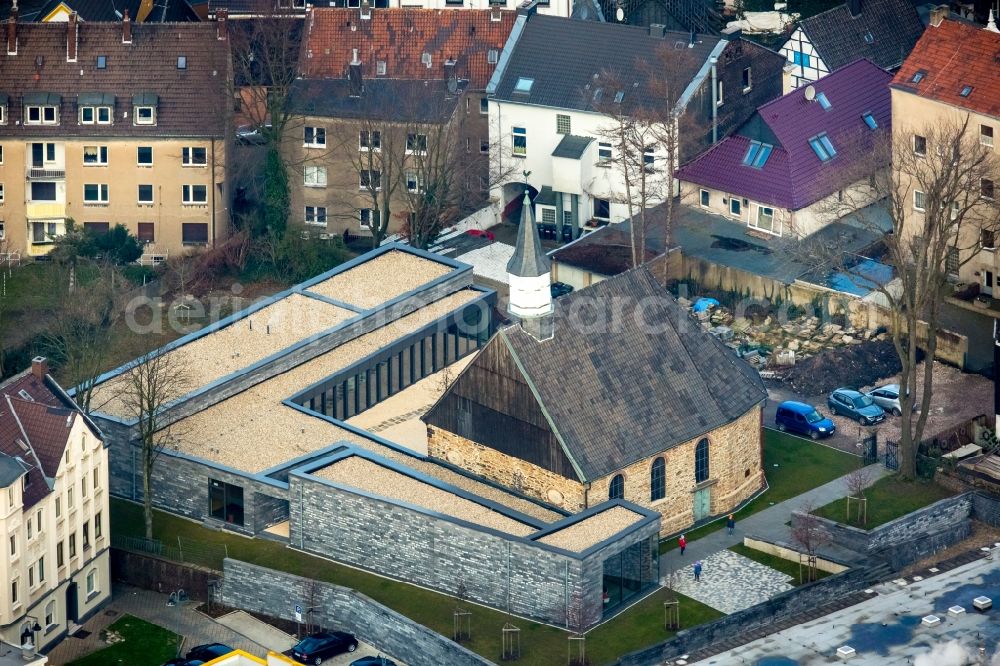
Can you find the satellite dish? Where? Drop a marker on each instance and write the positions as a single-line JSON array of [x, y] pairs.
[[620, 14], [810, 93]]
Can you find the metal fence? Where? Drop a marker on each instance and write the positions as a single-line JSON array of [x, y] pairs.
[[208, 555]]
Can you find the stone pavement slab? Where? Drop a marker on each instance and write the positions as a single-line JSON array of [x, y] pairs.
[[730, 582], [247, 625]]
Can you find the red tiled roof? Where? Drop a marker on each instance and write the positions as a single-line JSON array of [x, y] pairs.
[[954, 55], [400, 38]]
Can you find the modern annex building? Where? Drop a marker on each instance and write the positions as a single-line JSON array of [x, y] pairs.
[[266, 440]]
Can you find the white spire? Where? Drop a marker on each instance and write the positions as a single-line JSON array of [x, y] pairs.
[[991, 24]]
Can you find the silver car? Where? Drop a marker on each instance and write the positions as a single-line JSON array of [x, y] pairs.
[[887, 397]]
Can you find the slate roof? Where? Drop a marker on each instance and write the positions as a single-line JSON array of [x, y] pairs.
[[563, 55], [164, 11], [529, 258], [572, 147], [954, 55], [794, 177], [892, 26], [400, 38], [10, 470], [36, 412], [383, 99], [619, 393], [193, 102]]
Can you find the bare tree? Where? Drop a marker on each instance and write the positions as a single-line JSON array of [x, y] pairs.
[[857, 482], [151, 382], [808, 534], [938, 198]]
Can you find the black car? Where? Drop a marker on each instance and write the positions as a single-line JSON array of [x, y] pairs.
[[323, 645], [373, 661], [208, 652], [184, 661]]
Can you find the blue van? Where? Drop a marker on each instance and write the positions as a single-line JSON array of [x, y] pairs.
[[803, 419]]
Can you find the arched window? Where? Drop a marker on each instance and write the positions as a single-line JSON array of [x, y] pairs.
[[617, 488], [658, 480], [701, 461]]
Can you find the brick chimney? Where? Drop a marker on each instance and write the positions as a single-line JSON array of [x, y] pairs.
[[222, 24], [12, 32], [126, 29], [40, 367], [939, 14], [72, 36]]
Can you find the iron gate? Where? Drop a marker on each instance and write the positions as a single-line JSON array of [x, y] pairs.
[[869, 448], [892, 455]]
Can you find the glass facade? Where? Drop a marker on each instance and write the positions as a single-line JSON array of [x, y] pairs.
[[630, 573]]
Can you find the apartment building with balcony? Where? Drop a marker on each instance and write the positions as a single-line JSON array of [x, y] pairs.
[[114, 123], [54, 559]]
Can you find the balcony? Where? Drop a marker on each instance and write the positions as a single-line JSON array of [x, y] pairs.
[[45, 210], [36, 173]]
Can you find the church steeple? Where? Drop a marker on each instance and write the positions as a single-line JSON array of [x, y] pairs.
[[530, 278]]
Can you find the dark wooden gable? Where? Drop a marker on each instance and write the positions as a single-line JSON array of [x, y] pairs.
[[491, 403]]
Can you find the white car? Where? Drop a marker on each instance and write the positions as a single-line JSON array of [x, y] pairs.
[[887, 397]]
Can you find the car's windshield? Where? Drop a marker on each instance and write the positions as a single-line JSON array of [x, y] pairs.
[[862, 401], [814, 416], [308, 644]]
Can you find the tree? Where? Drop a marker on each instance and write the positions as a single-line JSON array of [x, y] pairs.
[[857, 482], [937, 199], [150, 383], [809, 535]]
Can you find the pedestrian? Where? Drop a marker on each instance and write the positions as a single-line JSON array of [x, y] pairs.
[[682, 542], [731, 524], [697, 571]]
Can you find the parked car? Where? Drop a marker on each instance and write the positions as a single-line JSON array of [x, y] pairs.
[[560, 289], [322, 645], [207, 652], [804, 419], [184, 661], [858, 406], [373, 661], [887, 397]]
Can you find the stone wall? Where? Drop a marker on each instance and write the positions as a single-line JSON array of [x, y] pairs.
[[735, 467], [789, 604], [276, 593], [986, 508]]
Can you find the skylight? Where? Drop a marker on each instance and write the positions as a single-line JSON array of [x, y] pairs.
[[869, 120], [822, 146], [182, 62], [619, 96], [823, 101], [918, 76], [869, 38], [966, 91], [102, 62], [757, 154], [523, 85]]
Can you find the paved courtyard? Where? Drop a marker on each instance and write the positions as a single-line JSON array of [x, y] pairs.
[[729, 582]]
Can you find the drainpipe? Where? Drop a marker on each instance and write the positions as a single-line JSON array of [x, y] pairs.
[[715, 101], [586, 496], [213, 191]]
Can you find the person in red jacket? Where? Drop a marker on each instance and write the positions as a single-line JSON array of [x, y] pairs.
[[682, 542]]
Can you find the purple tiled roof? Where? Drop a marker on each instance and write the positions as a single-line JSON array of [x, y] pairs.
[[793, 176]]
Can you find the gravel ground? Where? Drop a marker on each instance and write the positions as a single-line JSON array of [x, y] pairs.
[[593, 530], [378, 480], [238, 345], [380, 279], [982, 535]]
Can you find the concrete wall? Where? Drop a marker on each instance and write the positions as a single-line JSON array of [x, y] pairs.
[[790, 553], [276, 593]]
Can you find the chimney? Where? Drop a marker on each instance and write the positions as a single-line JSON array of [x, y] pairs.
[[126, 29], [366, 11], [855, 8], [12, 32], [39, 367], [357, 84], [221, 24], [72, 36], [694, 38], [939, 14], [656, 30]]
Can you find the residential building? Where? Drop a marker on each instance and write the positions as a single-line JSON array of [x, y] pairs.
[[883, 31], [375, 119], [552, 121], [639, 403], [140, 11], [784, 171], [54, 508], [931, 93], [250, 8], [114, 123]]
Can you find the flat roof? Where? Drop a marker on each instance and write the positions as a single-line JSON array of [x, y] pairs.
[[380, 279], [592, 530], [236, 346], [372, 478]]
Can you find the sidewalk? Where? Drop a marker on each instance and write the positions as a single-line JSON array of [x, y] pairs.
[[196, 628], [768, 524]]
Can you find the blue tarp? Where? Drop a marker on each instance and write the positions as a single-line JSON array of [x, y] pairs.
[[863, 279], [703, 304]]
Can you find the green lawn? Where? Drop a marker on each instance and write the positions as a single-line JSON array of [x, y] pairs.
[[143, 644], [541, 645], [792, 466], [778, 563], [888, 499]]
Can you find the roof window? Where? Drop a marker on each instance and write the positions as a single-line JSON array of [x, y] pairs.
[[492, 56], [869, 38], [102, 62], [823, 148], [619, 96], [918, 76], [182, 62], [966, 91], [823, 101], [869, 120], [523, 85], [757, 154]]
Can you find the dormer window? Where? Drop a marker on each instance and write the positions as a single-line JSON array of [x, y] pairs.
[[95, 114], [41, 109], [144, 109], [3, 109]]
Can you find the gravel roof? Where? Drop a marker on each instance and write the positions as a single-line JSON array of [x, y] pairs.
[[380, 279], [370, 477], [238, 345], [592, 530]]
